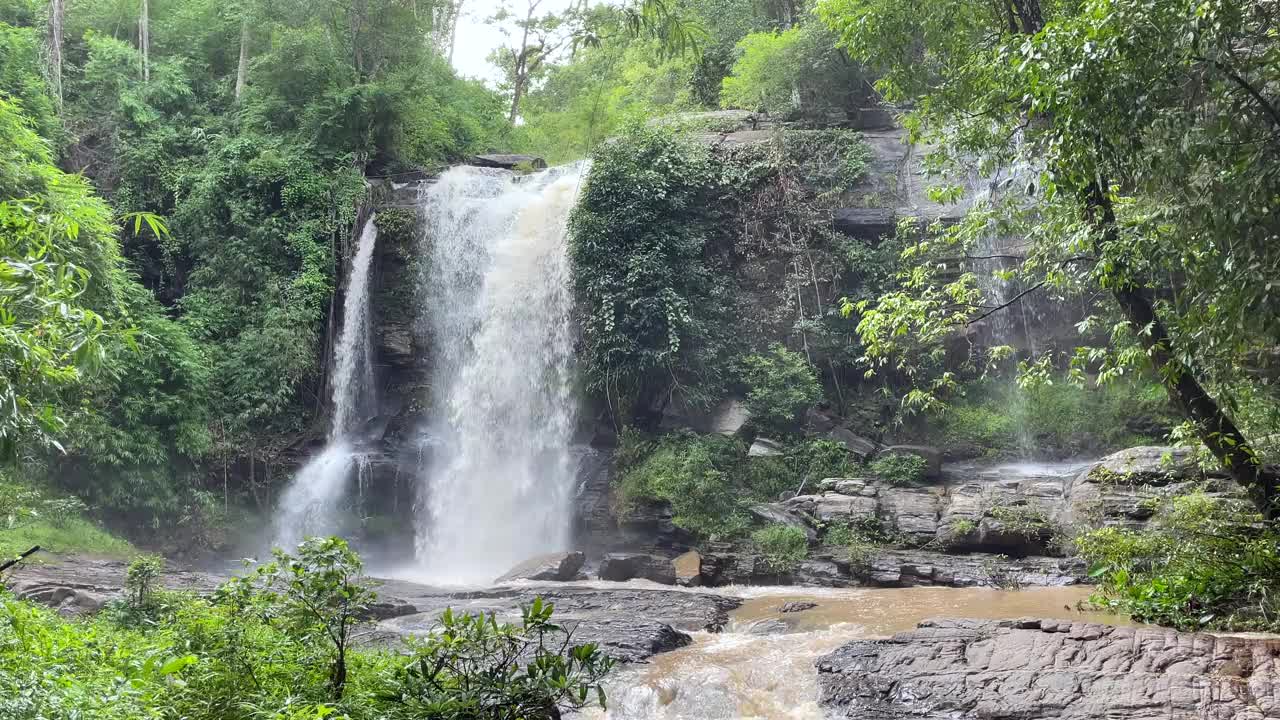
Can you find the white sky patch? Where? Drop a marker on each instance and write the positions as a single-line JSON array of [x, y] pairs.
[[476, 39]]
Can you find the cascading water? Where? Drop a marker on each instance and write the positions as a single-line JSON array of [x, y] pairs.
[[496, 302], [313, 502]]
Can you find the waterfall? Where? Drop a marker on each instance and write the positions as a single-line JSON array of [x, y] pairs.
[[313, 502], [496, 300]]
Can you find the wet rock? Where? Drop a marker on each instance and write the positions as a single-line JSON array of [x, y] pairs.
[[860, 447], [561, 566], [1148, 465], [620, 567], [932, 457], [688, 568], [769, 626], [508, 162], [1036, 668], [795, 606], [649, 526], [910, 568], [764, 447], [68, 601]]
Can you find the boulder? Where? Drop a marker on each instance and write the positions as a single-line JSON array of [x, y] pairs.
[[1042, 668], [764, 447], [931, 456], [819, 421], [620, 567], [912, 512], [688, 568], [728, 417], [560, 566], [795, 606], [860, 447], [1147, 465], [508, 162]]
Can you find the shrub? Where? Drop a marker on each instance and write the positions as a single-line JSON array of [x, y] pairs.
[[696, 476], [783, 546], [900, 468], [1204, 562], [780, 385]]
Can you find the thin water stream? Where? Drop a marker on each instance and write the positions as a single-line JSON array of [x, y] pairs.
[[761, 666]]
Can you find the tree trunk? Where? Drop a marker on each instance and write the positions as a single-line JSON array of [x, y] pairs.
[[517, 93], [242, 69], [453, 28], [1215, 428], [57, 13], [144, 40]]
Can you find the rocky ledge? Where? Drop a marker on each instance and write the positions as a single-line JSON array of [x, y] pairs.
[[1007, 670]]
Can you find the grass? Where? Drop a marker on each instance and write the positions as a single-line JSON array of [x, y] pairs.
[[74, 535]]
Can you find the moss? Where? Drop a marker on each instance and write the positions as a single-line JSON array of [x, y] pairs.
[[783, 547]]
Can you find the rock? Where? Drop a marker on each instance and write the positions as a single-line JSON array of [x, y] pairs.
[[860, 447], [1051, 668], [767, 626], [834, 507], [932, 457], [68, 601], [1148, 465], [560, 566], [508, 162], [870, 224], [778, 514], [648, 526], [688, 568], [819, 421], [764, 447], [1125, 488], [620, 567], [913, 512], [395, 343], [909, 568], [795, 606], [728, 417]]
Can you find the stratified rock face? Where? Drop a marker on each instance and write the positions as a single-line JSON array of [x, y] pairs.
[[1125, 488], [1016, 670], [561, 566]]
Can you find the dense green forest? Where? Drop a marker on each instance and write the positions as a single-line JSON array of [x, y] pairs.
[[179, 180]]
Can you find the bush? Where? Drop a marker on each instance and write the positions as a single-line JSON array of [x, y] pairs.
[[695, 475], [263, 647], [780, 385], [783, 546], [900, 468], [1204, 563]]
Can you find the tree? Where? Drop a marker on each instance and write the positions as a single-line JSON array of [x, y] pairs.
[[144, 39], [1115, 109], [541, 37]]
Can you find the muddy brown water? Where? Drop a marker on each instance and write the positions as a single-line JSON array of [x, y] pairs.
[[761, 666]]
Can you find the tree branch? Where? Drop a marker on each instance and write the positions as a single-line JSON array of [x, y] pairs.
[[1015, 299]]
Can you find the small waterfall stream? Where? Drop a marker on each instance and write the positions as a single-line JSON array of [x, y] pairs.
[[496, 304], [313, 502]]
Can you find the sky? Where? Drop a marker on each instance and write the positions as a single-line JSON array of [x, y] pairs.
[[477, 39]]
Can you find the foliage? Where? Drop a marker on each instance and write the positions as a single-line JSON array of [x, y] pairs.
[[1053, 419], [251, 652], [1204, 563], [798, 72], [780, 386], [1107, 112], [474, 667], [783, 546], [859, 539], [645, 271], [900, 468], [31, 516], [696, 476]]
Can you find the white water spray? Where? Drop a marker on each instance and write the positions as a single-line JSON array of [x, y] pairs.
[[497, 305], [313, 502]]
